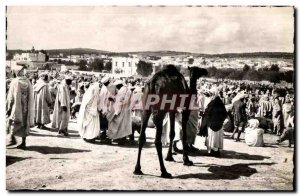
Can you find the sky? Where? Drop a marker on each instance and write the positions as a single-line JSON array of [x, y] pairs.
[[208, 30]]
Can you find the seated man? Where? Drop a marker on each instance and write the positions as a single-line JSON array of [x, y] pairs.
[[254, 134]]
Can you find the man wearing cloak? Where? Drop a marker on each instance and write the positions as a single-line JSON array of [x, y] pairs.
[[88, 121], [119, 118], [19, 107], [42, 100], [104, 106], [61, 113]]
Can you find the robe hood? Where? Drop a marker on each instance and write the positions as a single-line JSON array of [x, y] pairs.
[[39, 85]]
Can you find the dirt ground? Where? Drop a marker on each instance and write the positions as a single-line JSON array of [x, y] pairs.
[[53, 162]]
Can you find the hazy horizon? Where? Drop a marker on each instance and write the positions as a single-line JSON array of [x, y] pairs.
[[147, 51], [206, 30]]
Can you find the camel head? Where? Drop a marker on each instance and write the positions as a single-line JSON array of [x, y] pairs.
[[197, 72]]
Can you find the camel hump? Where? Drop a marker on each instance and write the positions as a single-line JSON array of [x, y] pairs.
[[170, 70]]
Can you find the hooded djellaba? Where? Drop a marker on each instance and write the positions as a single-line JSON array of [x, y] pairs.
[[61, 113], [19, 107], [88, 123], [42, 101], [212, 123], [119, 118]]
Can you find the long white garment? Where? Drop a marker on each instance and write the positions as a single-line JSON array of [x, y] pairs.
[[254, 137], [119, 118], [88, 123], [203, 102], [165, 139], [61, 118], [191, 127], [104, 104], [214, 140]]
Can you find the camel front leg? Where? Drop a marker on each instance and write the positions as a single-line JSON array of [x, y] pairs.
[[142, 141], [185, 118]]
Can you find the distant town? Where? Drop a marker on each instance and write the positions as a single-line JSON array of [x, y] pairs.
[[126, 64]]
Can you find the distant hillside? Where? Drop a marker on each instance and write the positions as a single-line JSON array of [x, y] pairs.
[[65, 52], [75, 51], [284, 55], [160, 53], [81, 51]]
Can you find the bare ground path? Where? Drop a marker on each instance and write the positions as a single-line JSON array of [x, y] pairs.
[[68, 163]]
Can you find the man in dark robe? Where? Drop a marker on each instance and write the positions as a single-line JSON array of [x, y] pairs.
[[212, 122], [240, 117]]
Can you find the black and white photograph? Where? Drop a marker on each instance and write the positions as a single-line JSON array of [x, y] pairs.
[[150, 98]]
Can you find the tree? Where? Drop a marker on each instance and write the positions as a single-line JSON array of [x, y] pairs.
[[108, 66], [46, 55], [273, 76], [68, 62], [253, 75], [274, 67], [97, 65], [246, 68], [289, 76], [212, 71], [191, 61], [83, 68], [263, 69], [82, 62], [144, 68]]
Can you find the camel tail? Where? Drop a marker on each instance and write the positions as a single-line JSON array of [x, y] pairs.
[[146, 92]]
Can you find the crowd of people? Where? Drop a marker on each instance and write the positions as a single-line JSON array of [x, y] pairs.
[[106, 109]]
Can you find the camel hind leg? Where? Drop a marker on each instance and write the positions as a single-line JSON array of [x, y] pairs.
[[142, 140], [158, 118], [172, 135]]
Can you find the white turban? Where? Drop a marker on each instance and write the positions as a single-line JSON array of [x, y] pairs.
[[104, 79], [117, 82]]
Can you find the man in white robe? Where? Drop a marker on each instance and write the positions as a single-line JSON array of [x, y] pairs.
[[61, 113], [88, 122], [42, 101], [254, 136], [104, 107], [119, 118]]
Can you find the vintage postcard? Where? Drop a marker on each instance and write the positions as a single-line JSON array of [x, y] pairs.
[[150, 98]]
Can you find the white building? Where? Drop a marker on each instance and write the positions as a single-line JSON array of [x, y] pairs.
[[124, 65], [33, 59], [30, 56]]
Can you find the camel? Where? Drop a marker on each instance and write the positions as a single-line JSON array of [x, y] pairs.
[[168, 81]]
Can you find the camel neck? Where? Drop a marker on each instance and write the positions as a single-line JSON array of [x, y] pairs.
[[193, 88]]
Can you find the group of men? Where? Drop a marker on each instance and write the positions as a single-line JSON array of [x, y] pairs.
[[101, 108], [107, 109], [273, 110]]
